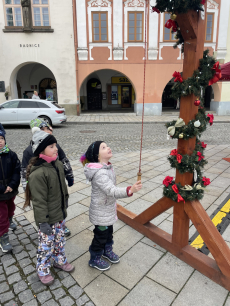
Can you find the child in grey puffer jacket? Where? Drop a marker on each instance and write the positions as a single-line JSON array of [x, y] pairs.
[[103, 209]]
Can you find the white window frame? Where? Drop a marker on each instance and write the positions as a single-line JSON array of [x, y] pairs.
[[215, 11], [13, 6], [40, 5]]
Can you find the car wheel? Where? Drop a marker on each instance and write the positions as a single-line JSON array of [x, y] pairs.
[[46, 119]]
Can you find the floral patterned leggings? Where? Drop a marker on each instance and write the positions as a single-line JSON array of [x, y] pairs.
[[51, 246]]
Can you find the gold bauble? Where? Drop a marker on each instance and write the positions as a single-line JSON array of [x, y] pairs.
[[173, 16], [181, 135]]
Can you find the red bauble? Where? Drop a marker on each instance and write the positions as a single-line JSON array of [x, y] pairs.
[[197, 102]]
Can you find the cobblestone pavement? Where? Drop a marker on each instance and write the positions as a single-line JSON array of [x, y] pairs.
[[75, 138], [147, 274]]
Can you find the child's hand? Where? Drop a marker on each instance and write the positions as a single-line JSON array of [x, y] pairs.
[[8, 189], [136, 187]]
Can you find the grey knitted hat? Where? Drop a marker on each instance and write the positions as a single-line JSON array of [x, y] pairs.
[[41, 140]]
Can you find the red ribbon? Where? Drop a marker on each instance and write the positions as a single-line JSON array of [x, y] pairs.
[[203, 2], [177, 77], [217, 75], [171, 24], [179, 197], [154, 9], [211, 118]]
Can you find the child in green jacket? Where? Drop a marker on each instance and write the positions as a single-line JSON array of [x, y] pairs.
[[48, 191]]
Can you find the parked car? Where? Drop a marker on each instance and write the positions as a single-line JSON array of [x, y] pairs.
[[22, 111]]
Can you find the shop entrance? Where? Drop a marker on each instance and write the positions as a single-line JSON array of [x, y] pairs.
[[94, 98], [126, 96]]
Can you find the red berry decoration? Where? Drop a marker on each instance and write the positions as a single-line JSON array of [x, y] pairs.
[[197, 102]]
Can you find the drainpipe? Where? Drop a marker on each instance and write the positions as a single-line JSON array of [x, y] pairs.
[[76, 57]]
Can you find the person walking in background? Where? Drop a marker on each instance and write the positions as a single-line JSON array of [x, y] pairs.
[[48, 191], [9, 182], [35, 95], [28, 154]]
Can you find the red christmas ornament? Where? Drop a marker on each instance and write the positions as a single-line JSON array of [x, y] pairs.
[[167, 181], [197, 102]]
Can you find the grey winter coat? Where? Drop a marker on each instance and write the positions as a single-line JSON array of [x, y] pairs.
[[103, 208]]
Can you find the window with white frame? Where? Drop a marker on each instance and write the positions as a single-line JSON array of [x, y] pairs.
[[40, 11], [13, 13]]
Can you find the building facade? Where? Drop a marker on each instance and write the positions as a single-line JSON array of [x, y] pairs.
[[91, 53], [37, 50], [110, 45]]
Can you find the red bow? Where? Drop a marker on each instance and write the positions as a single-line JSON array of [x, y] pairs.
[[171, 24], [203, 145], [211, 118], [200, 157], [179, 158], [203, 2], [174, 152], [217, 75], [177, 77], [154, 9], [179, 197]]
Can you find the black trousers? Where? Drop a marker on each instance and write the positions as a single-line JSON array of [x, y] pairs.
[[102, 238]]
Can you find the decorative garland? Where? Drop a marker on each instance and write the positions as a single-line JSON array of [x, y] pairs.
[[189, 163]]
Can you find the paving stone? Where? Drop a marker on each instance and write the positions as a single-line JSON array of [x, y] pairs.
[[82, 300], [11, 303], [22, 236], [30, 247], [20, 286], [148, 293], [4, 287], [55, 285], [2, 277], [29, 269], [38, 287], [19, 231], [67, 301], [33, 253], [20, 218], [5, 297], [14, 278], [33, 278], [8, 262], [152, 244], [35, 241], [50, 303], [89, 304], [24, 262], [63, 274], [134, 265], [30, 226], [171, 272], [34, 236], [17, 249], [11, 270], [1, 270], [14, 243], [58, 293], [31, 303], [6, 257], [44, 296], [103, 288], [200, 290], [76, 291], [24, 222], [68, 281], [25, 296], [21, 255], [25, 241], [30, 231], [12, 237]]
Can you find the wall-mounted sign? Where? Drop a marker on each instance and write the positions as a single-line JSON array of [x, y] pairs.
[[2, 86], [120, 80], [29, 45]]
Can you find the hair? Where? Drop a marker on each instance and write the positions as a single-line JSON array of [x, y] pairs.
[[32, 162], [35, 92]]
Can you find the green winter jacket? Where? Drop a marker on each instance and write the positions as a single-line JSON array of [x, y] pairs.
[[49, 192]]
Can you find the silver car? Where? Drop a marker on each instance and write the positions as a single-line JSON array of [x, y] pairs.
[[22, 111]]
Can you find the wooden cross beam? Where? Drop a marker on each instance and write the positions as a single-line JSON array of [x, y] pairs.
[[192, 27]]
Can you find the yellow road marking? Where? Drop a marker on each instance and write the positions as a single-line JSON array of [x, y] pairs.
[[198, 243]]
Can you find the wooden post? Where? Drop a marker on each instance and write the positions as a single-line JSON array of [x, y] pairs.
[[192, 27]]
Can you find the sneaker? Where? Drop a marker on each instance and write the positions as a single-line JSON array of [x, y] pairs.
[[46, 280], [99, 263], [12, 226], [67, 232], [67, 267], [110, 255], [5, 244]]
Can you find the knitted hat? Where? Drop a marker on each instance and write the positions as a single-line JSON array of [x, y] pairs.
[[93, 151], [41, 140], [2, 132], [40, 124]]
